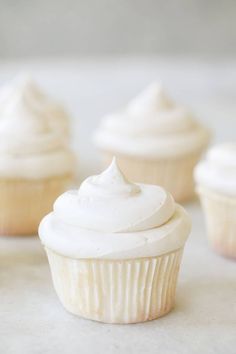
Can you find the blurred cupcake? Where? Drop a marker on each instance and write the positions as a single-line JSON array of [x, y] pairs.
[[115, 248], [156, 141], [216, 186], [36, 164]]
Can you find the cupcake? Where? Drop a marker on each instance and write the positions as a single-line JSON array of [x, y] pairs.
[[216, 186], [36, 164], [114, 248], [155, 141]]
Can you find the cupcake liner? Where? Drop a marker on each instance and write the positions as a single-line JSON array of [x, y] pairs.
[[116, 291], [220, 213], [174, 174], [24, 203]]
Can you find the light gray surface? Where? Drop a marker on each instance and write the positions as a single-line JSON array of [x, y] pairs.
[[77, 27], [204, 320]]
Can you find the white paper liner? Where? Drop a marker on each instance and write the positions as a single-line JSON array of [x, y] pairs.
[[220, 213], [116, 291]]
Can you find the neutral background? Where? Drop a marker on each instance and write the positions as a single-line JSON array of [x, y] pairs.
[[32, 320], [190, 46], [199, 28]]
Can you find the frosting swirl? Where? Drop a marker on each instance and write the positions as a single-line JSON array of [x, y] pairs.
[[151, 125], [32, 129], [110, 216], [218, 171], [110, 203]]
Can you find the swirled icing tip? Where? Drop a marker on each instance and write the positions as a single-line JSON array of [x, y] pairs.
[[109, 183], [21, 106], [25, 84], [21, 88], [113, 174], [153, 98], [114, 170], [114, 162]]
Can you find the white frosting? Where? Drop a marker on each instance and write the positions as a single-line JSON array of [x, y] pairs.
[[218, 171], [33, 130], [151, 126], [110, 217]]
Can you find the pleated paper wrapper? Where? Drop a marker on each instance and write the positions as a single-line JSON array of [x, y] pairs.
[[116, 291], [220, 214]]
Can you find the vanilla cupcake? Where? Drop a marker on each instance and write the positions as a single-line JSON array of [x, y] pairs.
[[36, 164], [114, 248], [156, 141], [216, 186]]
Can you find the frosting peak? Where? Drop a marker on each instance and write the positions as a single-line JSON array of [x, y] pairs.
[[109, 183], [22, 93], [28, 124], [152, 99], [151, 126], [33, 132], [25, 86], [23, 114]]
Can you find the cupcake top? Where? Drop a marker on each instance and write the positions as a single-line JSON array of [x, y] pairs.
[[151, 126], [33, 133], [218, 171], [112, 218]]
